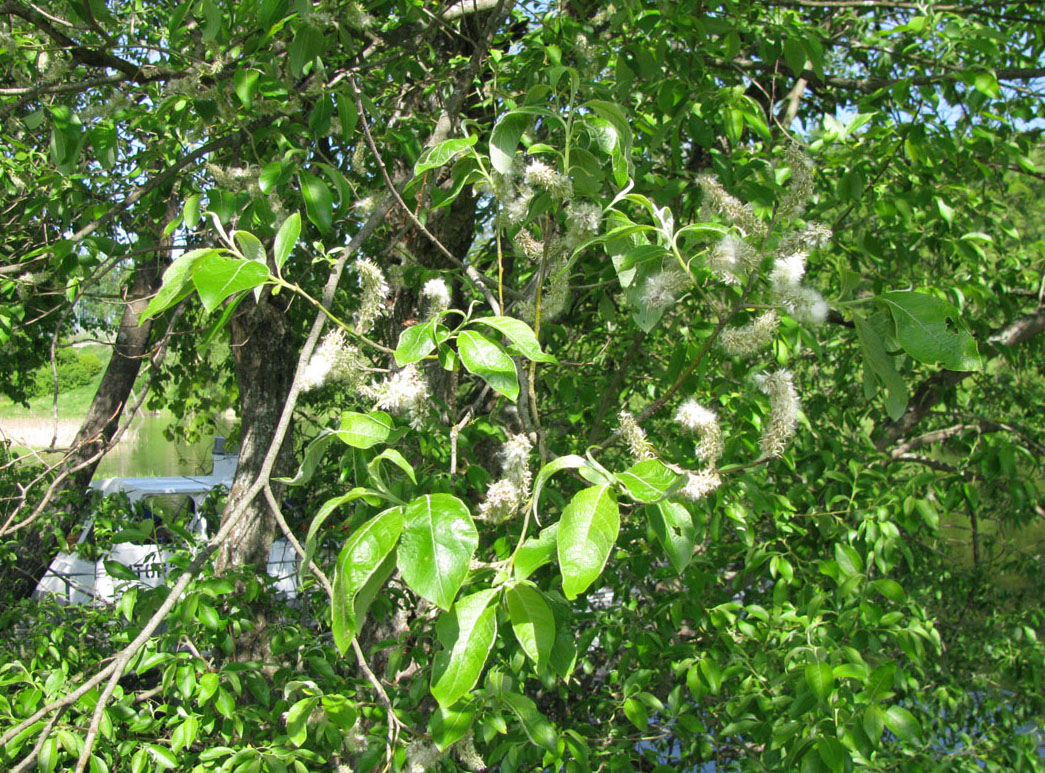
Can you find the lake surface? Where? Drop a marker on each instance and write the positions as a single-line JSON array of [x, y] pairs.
[[143, 450]]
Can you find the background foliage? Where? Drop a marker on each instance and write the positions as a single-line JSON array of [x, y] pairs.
[[504, 574]]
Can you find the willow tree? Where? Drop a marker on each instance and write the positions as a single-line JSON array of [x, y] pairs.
[[648, 346]]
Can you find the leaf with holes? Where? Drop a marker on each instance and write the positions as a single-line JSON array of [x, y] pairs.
[[930, 330]]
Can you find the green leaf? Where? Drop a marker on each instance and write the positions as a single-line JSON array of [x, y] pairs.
[[520, 334], [119, 571], [364, 561], [328, 507], [880, 684], [820, 679], [929, 329], [164, 758], [637, 714], [208, 685], [873, 722], [217, 277], [848, 559], [647, 481], [535, 552], [711, 673], [418, 341], [536, 726], [176, 283], [673, 525], [297, 720], [396, 458], [437, 155], [364, 430], [190, 213], [834, 755], [245, 82], [314, 451], [566, 462], [587, 532], [532, 622], [505, 139], [342, 712], [305, 45], [467, 634], [447, 726], [795, 55], [882, 365], [891, 589], [489, 361], [250, 246], [184, 735], [319, 203], [47, 760], [902, 723], [439, 539], [286, 239]]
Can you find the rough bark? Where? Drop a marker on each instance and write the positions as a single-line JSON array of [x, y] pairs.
[[265, 355]]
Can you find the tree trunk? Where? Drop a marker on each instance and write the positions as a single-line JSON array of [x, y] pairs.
[[265, 355]]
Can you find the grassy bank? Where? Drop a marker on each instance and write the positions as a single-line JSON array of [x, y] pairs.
[[71, 405]]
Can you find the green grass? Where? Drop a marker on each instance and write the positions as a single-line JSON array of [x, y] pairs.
[[71, 405]]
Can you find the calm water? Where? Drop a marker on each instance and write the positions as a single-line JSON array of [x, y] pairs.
[[144, 452]]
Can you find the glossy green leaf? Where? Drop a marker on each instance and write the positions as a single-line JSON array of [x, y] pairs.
[[437, 155], [648, 481], [504, 140], [176, 281], [365, 559], [396, 458], [820, 679], [930, 330], [449, 725], [319, 203], [532, 622], [364, 430], [637, 714], [342, 712], [873, 722], [587, 532], [250, 246], [902, 723], [834, 755], [245, 83], [880, 683], [439, 539], [489, 361], [673, 525], [535, 552], [520, 334], [891, 589], [324, 512], [418, 341], [217, 277], [536, 726], [467, 633], [297, 720], [286, 238]]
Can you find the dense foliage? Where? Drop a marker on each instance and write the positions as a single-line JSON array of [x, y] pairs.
[[675, 342]]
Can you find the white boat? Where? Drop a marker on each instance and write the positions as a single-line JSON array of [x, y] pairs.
[[72, 579]]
